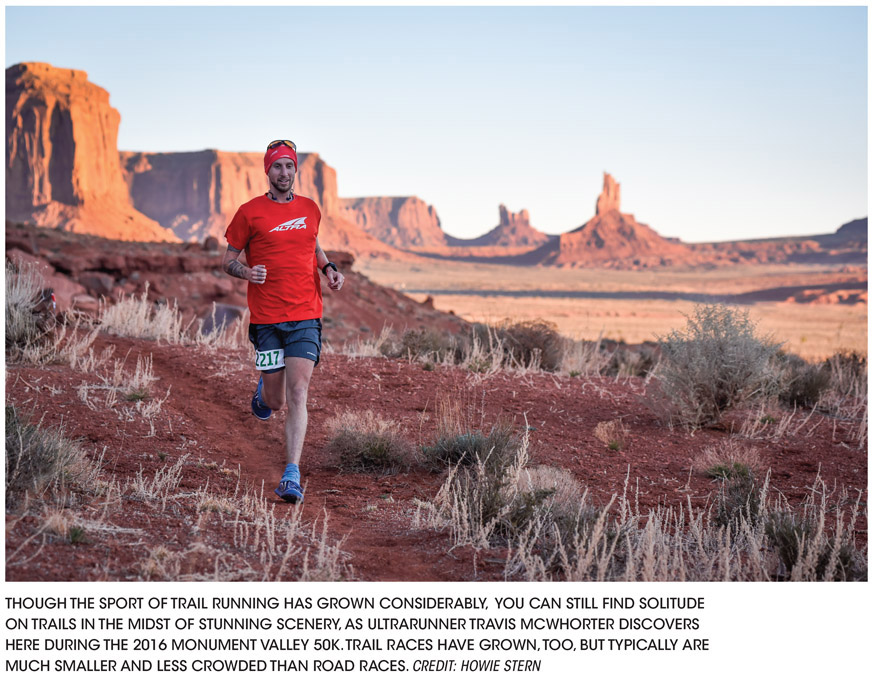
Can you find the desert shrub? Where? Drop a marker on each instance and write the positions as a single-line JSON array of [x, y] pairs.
[[494, 449], [481, 498], [524, 344], [552, 512], [739, 470], [426, 343], [536, 343], [459, 437], [39, 456], [366, 442], [716, 363], [551, 532], [740, 497], [801, 383]]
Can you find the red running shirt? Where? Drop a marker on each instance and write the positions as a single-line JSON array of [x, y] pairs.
[[282, 236]]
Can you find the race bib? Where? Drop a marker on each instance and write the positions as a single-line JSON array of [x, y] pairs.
[[267, 360]]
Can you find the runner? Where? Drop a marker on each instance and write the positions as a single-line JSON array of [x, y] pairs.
[[278, 232]]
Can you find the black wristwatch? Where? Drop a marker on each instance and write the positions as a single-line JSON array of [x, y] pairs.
[[325, 268]]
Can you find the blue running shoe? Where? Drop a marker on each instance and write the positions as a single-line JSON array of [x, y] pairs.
[[290, 491], [261, 411]]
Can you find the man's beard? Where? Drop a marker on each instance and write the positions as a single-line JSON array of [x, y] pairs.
[[282, 191]]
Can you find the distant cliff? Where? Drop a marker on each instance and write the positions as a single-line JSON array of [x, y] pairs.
[[196, 194], [403, 222], [62, 166]]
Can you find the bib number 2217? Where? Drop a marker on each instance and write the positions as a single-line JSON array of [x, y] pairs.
[[267, 360]]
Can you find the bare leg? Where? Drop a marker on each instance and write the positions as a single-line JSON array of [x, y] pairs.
[[273, 393], [298, 372]]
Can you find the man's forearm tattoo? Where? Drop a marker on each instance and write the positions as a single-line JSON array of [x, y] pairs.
[[236, 269]]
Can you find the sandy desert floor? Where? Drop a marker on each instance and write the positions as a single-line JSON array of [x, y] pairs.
[[637, 306]]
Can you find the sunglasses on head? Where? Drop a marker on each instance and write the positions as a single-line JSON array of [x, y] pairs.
[[282, 142]]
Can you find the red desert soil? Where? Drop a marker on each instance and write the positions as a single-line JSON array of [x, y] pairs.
[[207, 415]]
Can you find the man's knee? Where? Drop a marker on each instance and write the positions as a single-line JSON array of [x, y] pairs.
[[298, 373], [297, 393]]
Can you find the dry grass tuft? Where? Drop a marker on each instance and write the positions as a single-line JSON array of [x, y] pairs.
[[39, 458], [366, 442], [583, 358], [138, 317], [163, 482], [255, 542], [729, 459], [370, 347], [26, 325], [613, 433]]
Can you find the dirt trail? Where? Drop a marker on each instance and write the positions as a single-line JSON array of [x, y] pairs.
[[382, 546]]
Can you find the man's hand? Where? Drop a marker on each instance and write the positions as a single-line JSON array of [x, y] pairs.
[[234, 267], [335, 279], [257, 274]]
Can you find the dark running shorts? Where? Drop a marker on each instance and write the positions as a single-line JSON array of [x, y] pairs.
[[276, 341]]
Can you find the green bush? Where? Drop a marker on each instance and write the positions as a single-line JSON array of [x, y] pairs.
[[716, 363], [495, 449]]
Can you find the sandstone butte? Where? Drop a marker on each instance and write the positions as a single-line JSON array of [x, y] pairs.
[[62, 163], [513, 230], [402, 221], [612, 238]]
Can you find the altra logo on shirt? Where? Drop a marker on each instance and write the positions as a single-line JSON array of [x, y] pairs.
[[299, 223]]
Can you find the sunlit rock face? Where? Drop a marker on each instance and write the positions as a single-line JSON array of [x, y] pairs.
[[401, 221], [62, 162]]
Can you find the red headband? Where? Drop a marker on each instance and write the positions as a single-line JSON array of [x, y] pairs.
[[274, 154]]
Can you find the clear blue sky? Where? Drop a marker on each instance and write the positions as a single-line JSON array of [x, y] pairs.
[[719, 123]]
